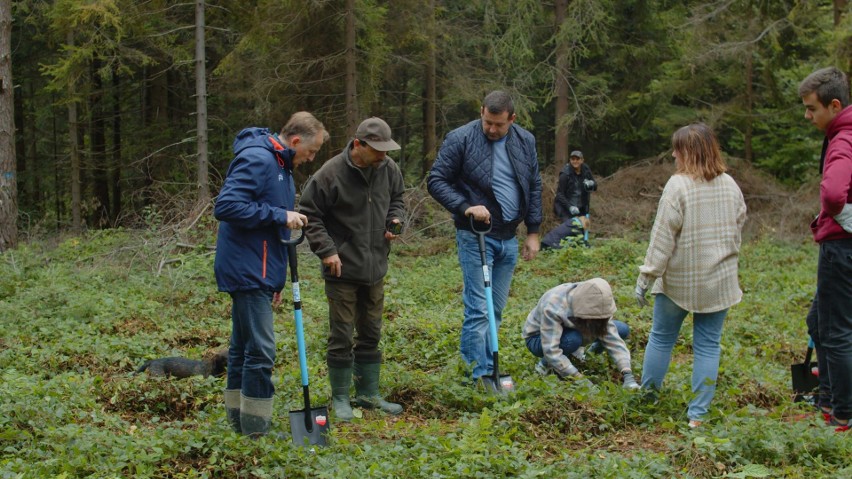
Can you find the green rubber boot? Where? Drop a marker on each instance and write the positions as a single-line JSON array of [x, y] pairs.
[[255, 416], [340, 379], [367, 389], [232, 409]]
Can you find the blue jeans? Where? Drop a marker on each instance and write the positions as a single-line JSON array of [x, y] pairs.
[[834, 319], [501, 256], [706, 336], [571, 339], [252, 351]]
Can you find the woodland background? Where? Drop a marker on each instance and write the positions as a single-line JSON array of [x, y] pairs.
[[124, 113], [125, 110]]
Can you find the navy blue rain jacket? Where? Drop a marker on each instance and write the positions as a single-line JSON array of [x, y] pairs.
[[252, 209], [462, 173]]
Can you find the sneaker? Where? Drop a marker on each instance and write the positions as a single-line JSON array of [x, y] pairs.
[[543, 368], [694, 423], [841, 427], [580, 354], [826, 414]]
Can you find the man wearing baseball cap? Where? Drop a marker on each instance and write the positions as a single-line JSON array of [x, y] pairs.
[[353, 203]]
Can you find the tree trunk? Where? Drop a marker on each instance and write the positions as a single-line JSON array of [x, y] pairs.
[[403, 117], [430, 134], [22, 128], [201, 104], [560, 149], [351, 90], [747, 137], [8, 186], [57, 188], [839, 8], [74, 143], [115, 209], [100, 216]]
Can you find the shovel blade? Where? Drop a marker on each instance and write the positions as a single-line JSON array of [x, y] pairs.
[[320, 425], [505, 385], [804, 381]]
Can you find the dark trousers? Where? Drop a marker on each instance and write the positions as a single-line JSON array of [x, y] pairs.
[[355, 323], [824, 397], [834, 293]]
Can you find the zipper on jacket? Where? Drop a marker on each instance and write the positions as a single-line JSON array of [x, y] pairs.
[[264, 259]]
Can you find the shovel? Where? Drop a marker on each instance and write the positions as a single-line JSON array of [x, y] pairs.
[[804, 380], [495, 383], [309, 424]]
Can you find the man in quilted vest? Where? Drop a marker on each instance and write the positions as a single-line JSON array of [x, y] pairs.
[[488, 170]]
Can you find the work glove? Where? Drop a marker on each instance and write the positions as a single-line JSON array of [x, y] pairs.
[[589, 184], [574, 211], [640, 292], [629, 382]]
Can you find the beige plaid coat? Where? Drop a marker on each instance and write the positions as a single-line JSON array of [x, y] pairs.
[[693, 254]]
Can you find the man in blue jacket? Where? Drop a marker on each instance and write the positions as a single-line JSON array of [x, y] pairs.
[[488, 169], [255, 208]]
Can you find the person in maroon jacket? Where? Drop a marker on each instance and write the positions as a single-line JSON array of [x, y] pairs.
[[825, 94]]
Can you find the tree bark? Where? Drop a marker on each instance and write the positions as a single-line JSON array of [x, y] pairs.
[[100, 183], [430, 100], [115, 209], [839, 8], [74, 147], [351, 90], [560, 148], [201, 105], [8, 185], [747, 137]]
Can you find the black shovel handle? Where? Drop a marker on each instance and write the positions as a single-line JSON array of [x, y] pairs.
[[481, 234], [291, 255]]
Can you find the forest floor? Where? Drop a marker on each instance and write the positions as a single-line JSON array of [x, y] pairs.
[[80, 314]]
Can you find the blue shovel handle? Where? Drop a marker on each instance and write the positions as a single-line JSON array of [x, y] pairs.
[[486, 274]]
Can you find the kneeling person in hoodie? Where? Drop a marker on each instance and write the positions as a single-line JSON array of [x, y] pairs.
[[570, 316]]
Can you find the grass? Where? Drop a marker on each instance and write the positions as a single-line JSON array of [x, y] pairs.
[[79, 316]]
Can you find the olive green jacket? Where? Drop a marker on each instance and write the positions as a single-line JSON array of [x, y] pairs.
[[348, 210]]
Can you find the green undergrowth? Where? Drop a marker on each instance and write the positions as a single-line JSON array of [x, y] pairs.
[[80, 316]]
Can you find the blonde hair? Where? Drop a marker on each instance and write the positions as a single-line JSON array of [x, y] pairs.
[[698, 152]]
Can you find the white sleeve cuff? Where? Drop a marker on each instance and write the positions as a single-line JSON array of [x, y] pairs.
[[844, 218]]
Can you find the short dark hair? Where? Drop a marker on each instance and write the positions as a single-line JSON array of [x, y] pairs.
[[828, 84], [304, 124], [498, 101]]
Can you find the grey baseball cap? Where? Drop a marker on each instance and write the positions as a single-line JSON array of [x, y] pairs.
[[577, 153], [377, 134]]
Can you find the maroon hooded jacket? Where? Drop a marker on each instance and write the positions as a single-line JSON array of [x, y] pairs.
[[835, 190]]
